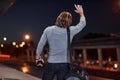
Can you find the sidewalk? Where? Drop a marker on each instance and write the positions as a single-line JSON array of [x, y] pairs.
[[7, 73]]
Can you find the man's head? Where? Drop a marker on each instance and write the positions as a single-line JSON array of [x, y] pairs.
[[64, 20]]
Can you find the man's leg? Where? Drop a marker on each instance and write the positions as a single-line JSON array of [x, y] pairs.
[[49, 72], [63, 70]]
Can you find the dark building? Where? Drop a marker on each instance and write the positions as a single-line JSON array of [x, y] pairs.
[[99, 53]]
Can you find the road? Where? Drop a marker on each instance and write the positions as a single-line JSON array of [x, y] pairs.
[[36, 71]]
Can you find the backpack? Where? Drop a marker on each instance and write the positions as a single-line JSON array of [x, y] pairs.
[[76, 73]]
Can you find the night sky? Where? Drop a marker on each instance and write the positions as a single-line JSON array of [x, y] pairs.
[[33, 16]]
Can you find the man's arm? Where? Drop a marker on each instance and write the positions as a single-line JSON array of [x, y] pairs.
[[77, 28], [41, 44]]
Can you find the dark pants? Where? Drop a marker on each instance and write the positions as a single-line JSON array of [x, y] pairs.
[[55, 69]]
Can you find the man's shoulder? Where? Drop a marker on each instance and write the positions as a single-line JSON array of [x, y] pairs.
[[49, 28]]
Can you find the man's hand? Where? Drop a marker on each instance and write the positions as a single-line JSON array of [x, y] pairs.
[[79, 10], [40, 62]]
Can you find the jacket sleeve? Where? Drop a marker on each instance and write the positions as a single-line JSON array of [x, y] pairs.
[[77, 28], [41, 43]]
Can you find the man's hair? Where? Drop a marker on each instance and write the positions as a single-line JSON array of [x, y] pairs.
[[64, 20]]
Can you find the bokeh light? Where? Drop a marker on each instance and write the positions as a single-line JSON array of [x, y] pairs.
[[14, 43], [27, 37], [116, 6], [4, 38]]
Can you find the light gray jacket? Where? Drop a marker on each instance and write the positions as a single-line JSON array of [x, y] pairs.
[[57, 40]]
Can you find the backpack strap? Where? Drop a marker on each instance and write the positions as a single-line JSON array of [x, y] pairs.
[[69, 52]]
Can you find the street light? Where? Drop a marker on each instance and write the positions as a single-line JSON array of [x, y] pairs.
[[17, 46], [4, 38], [14, 43], [23, 43], [27, 37], [2, 45]]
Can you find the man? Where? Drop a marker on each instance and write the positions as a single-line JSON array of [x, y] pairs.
[[56, 36]]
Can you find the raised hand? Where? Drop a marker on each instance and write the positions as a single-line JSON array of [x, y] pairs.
[[79, 10]]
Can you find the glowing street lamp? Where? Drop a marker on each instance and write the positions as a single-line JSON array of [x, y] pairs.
[[14, 43], [27, 37], [4, 38], [23, 43], [115, 66], [2, 45], [17, 46]]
